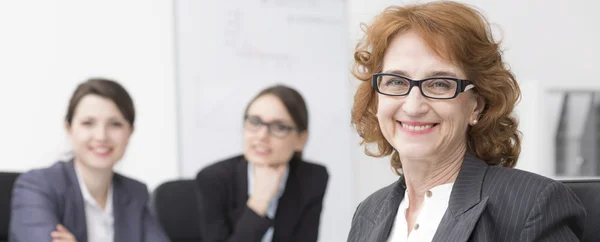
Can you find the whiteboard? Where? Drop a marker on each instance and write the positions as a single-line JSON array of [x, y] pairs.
[[227, 51]]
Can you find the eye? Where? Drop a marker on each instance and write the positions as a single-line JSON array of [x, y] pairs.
[[394, 81], [441, 84], [255, 121], [116, 124], [87, 123], [280, 127]]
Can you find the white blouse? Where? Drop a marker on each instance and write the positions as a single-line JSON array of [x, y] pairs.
[[433, 209], [100, 222]]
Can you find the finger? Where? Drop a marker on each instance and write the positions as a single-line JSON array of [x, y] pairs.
[[58, 235], [265, 169], [61, 228], [63, 240], [281, 167], [261, 164], [62, 235], [278, 169], [64, 229]]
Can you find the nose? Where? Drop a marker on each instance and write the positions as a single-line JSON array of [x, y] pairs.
[[263, 132], [415, 103], [100, 133]]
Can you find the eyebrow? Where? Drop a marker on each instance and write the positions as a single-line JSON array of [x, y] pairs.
[[397, 72], [278, 121], [110, 119], [430, 74], [116, 119], [442, 74]]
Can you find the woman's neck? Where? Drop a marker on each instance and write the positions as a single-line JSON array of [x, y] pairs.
[[422, 175], [96, 181]]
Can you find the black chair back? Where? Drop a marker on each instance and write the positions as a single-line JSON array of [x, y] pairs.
[[7, 180], [176, 205], [588, 192]]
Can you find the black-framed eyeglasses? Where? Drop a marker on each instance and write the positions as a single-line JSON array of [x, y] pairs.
[[276, 128], [435, 87]]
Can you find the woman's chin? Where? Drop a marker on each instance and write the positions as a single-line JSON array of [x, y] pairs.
[[258, 160], [271, 164], [101, 163], [265, 162], [414, 151]]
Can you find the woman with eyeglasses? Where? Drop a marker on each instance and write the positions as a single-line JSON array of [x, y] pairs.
[[437, 97], [269, 193]]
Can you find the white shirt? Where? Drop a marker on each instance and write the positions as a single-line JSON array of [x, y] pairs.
[[433, 209], [268, 237], [100, 222]]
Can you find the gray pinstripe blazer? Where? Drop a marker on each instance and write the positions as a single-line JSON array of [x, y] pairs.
[[487, 203]]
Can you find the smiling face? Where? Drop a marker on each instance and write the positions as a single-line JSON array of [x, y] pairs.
[[99, 132], [416, 126], [264, 147]]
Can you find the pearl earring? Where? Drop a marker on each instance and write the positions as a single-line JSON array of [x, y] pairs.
[[475, 122]]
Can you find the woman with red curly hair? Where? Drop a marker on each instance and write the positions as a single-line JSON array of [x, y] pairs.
[[437, 97]]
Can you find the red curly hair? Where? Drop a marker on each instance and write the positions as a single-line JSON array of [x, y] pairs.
[[458, 33]]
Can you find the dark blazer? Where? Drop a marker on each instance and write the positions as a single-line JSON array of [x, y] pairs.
[[223, 192], [487, 203], [43, 198]]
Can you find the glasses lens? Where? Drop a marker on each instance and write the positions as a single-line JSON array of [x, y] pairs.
[[253, 122], [439, 88], [392, 85], [279, 130]]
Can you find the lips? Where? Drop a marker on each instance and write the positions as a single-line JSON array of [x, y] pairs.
[[101, 151], [417, 127], [261, 150]]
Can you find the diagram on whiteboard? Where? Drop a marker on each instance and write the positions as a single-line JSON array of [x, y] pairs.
[[228, 51]]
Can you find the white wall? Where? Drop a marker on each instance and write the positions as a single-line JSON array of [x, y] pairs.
[[48, 47], [548, 44]]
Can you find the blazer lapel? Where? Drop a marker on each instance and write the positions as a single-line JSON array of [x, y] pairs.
[[387, 213], [74, 210], [124, 232], [289, 207], [241, 189], [466, 204]]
